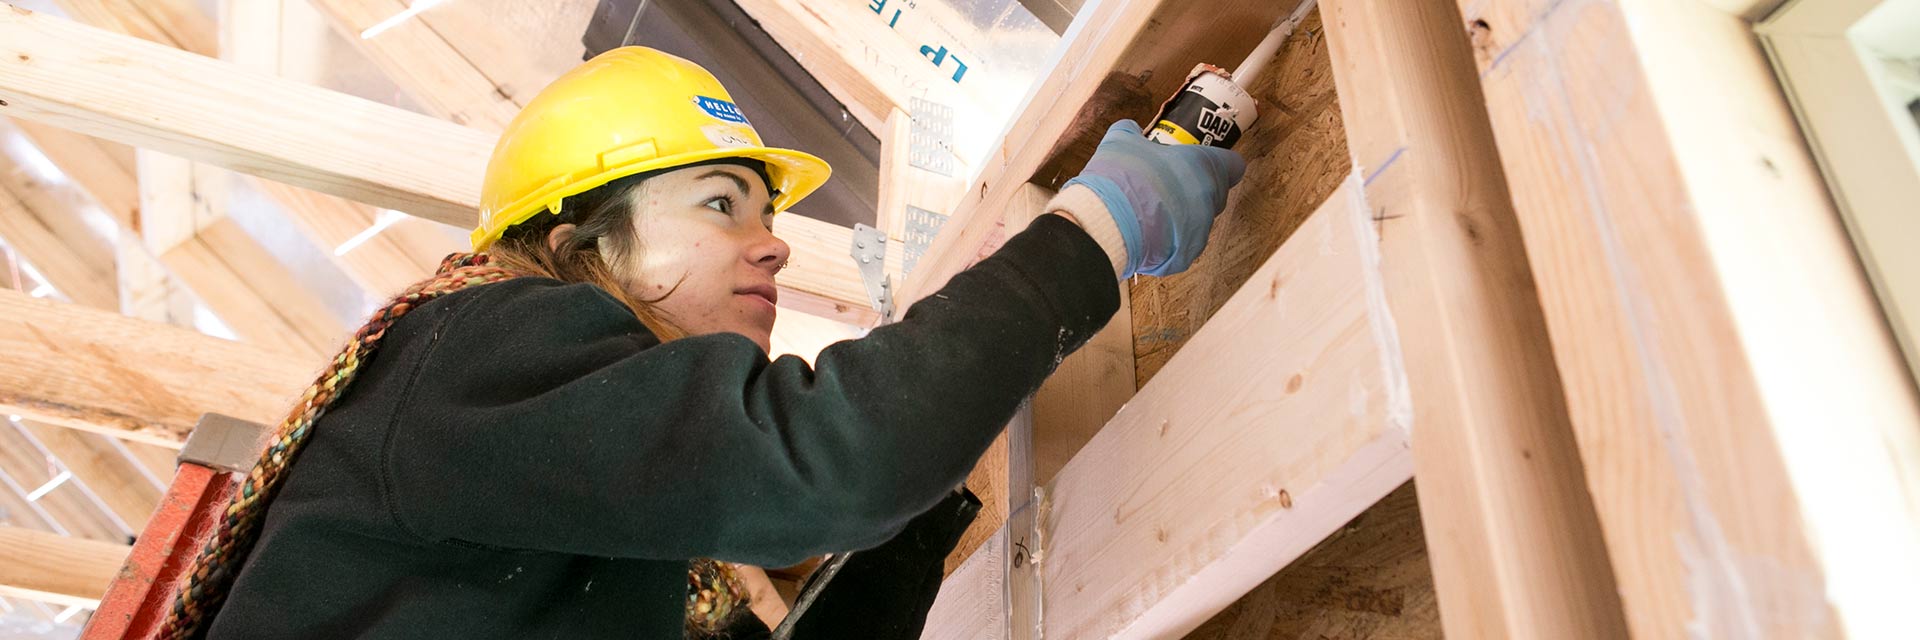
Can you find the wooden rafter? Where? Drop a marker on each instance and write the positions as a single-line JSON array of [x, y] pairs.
[[107, 474], [425, 65], [56, 569], [130, 378]]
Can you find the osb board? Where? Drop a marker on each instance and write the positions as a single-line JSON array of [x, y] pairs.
[[1296, 154], [1369, 580]]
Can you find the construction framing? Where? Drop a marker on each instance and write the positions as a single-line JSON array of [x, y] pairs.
[[1577, 274]]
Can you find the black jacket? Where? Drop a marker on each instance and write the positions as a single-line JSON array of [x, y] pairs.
[[525, 460]]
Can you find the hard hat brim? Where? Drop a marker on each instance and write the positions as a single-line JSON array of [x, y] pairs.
[[795, 175]]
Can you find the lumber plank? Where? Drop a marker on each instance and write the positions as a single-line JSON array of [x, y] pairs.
[[423, 63], [1514, 541], [106, 171], [383, 265], [1747, 428], [133, 379], [179, 23], [122, 489], [56, 496], [234, 293], [1212, 479], [79, 274], [1297, 154], [57, 569], [153, 96]]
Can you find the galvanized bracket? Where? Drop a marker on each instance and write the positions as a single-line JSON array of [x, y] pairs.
[[921, 228], [1026, 537], [870, 255], [930, 136]]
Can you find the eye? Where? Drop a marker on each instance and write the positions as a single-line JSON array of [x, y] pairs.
[[722, 204]]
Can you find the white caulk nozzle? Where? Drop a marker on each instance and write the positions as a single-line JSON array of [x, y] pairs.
[[1270, 45]]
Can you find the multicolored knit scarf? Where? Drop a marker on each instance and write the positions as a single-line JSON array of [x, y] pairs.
[[714, 592]]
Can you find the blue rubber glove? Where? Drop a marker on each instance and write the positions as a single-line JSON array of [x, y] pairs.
[[1163, 197]]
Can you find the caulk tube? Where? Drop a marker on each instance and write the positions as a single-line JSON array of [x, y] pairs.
[[1210, 110]]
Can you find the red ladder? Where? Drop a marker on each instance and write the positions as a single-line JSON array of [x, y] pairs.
[[217, 454]]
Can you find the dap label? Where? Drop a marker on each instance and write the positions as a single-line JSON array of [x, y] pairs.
[[721, 109]]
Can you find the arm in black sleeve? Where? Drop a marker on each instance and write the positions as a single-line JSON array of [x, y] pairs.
[[545, 417]]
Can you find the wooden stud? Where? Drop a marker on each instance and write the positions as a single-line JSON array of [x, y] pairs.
[[1748, 431], [1510, 528]]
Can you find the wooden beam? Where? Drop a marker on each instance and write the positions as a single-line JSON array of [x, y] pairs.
[[425, 64], [385, 264], [57, 569], [184, 222], [152, 96], [111, 477], [54, 492], [1747, 428], [179, 23], [144, 94], [106, 171], [132, 379], [1512, 532], [1281, 419], [261, 34], [78, 276]]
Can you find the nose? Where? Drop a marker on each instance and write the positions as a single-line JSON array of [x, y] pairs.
[[768, 251]]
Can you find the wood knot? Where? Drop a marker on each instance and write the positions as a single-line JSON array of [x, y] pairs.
[[1294, 383], [1160, 534], [1285, 499]]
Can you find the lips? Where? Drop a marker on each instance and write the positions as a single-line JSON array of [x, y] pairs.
[[764, 291]]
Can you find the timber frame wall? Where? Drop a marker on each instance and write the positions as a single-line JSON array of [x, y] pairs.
[[1570, 264]]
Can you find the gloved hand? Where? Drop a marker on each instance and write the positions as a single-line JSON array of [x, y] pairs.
[[1163, 197]]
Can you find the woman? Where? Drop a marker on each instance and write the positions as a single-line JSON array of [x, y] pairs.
[[559, 434]]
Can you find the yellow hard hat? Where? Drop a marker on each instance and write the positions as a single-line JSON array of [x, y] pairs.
[[626, 111]]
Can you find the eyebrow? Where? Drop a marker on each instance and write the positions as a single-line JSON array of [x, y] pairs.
[[742, 184]]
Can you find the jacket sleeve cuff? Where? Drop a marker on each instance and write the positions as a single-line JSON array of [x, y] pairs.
[[1083, 205]]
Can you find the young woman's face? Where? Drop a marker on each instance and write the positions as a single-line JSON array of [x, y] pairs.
[[707, 251]]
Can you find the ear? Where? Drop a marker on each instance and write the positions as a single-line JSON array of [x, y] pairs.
[[560, 234]]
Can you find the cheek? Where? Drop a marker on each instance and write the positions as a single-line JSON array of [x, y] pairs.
[[681, 259]]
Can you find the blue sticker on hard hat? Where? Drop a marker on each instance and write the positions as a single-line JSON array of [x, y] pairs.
[[721, 109]]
